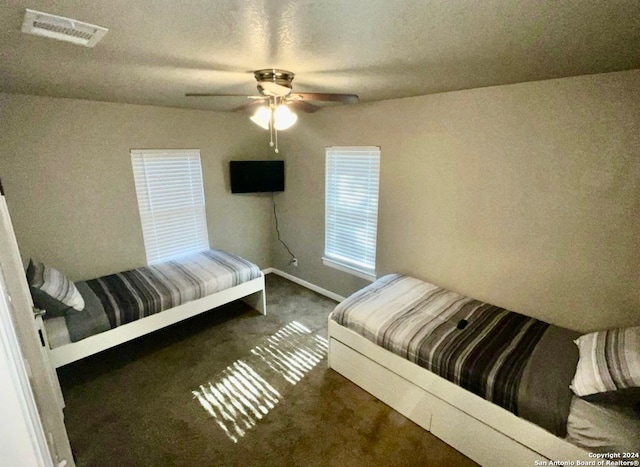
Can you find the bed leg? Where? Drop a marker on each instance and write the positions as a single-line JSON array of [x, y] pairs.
[[258, 300], [329, 341]]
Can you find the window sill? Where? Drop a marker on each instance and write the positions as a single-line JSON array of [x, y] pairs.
[[341, 267]]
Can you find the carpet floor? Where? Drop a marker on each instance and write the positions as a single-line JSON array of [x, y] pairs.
[[232, 387]]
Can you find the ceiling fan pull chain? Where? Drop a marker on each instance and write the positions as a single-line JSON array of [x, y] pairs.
[[275, 130], [270, 124]]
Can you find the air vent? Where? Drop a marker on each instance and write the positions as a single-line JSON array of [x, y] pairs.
[[62, 29]]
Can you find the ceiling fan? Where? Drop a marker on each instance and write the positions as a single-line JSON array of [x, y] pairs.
[[275, 92]]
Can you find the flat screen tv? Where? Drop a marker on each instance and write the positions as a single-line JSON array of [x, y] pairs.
[[256, 176]]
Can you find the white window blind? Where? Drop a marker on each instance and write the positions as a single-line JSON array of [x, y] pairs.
[[351, 209], [171, 202]]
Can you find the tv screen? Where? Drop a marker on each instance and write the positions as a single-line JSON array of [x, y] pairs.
[[256, 176]]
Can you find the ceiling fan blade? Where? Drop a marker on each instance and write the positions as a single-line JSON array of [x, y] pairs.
[[303, 106], [269, 88], [320, 96], [250, 107], [205, 94]]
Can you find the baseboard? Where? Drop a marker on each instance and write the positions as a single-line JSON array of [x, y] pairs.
[[303, 283]]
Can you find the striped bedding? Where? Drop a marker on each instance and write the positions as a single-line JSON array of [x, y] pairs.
[[121, 298], [498, 355]]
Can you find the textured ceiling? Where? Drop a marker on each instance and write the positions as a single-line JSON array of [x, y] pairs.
[[156, 51]]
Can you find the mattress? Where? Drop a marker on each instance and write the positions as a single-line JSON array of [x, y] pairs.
[[604, 428], [118, 299], [520, 363]]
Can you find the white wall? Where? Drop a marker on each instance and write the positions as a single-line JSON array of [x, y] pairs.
[[66, 170], [526, 196]]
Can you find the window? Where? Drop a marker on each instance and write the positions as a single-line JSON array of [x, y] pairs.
[[171, 202], [351, 209]]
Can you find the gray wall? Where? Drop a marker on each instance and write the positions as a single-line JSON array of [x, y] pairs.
[[66, 169], [526, 195]]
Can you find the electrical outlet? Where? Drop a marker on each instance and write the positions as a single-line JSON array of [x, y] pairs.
[[294, 262]]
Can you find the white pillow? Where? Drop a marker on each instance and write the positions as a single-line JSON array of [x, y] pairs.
[[51, 290], [609, 361]]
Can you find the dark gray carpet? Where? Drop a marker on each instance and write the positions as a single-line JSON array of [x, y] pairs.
[[233, 387]]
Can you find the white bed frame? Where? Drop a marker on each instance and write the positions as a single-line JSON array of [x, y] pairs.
[[251, 292], [481, 430]]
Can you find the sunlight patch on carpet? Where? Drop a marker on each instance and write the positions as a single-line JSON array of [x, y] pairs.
[[244, 392]]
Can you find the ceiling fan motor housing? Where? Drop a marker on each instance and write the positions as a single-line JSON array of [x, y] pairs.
[[271, 75]]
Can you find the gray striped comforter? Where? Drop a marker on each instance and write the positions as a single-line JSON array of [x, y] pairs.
[[499, 355], [127, 296]]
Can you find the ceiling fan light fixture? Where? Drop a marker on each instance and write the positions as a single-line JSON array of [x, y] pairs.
[[261, 117], [283, 118]]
